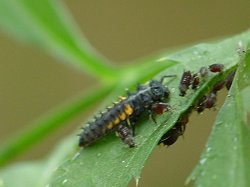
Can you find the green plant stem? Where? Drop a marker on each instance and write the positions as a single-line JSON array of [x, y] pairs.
[[41, 128]]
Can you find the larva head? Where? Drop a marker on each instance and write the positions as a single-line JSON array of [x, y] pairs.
[[158, 91]]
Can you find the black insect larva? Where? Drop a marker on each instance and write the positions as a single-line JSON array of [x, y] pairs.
[[216, 68], [123, 115], [185, 82]]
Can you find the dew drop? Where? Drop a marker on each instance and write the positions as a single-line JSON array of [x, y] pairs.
[[195, 53], [209, 149], [161, 59], [202, 161], [172, 89], [245, 76], [75, 156], [235, 139], [137, 179], [235, 147], [64, 181]]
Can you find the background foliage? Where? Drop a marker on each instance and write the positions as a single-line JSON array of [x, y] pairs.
[[35, 26]]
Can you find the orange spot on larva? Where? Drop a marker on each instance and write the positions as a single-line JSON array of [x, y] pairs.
[[116, 121], [110, 125], [122, 116], [128, 109]]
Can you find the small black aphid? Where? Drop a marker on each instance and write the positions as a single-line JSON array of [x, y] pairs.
[[173, 134], [123, 115], [216, 68], [200, 106], [218, 86], [195, 81], [203, 71], [210, 100], [229, 80], [126, 135], [185, 82]]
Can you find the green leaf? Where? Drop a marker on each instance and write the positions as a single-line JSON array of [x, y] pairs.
[[109, 162], [48, 25], [36, 173], [225, 161]]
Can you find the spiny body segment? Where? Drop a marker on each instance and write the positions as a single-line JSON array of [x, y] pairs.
[[123, 115]]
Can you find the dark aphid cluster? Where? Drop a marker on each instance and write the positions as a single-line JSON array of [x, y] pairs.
[[206, 101], [188, 79], [209, 100], [122, 116]]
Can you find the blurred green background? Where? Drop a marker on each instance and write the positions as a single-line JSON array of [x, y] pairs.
[[32, 82]]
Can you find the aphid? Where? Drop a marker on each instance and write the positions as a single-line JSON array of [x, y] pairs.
[[206, 102], [122, 117], [218, 86], [126, 135], [203, 72], [185, 82], [195, 81], [230, 79], [160, 108], [173, 134], [216, 68], [210, 100], [200, 106]]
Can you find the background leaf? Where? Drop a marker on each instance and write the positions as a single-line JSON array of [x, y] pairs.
[[109, 162], [227, 152], [48, 25], [36, 173]]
